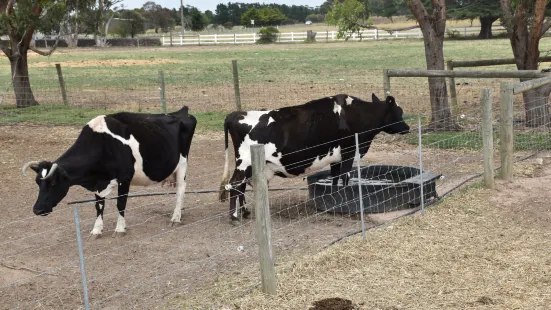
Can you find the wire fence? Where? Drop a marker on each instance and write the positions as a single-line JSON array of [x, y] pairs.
[[156, 264]]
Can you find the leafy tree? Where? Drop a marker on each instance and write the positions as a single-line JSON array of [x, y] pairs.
[[19, 19], [210, 16], [251, 14], [316, 18], [271, 16], [526, 22], [132, 23], [384, 8], [349, 16], [487, 11], [198, 19], [222, 14], [160, 17]]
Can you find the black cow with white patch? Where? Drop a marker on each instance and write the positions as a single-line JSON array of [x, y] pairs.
[[305, 138], [119, 150]]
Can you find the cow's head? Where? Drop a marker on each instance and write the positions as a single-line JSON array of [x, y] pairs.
[[393, 121], [53, 183]]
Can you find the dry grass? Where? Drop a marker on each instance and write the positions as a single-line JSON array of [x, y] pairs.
[[477, 249]]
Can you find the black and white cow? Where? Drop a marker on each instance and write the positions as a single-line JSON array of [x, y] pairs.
[[120, 150], [305, 138]]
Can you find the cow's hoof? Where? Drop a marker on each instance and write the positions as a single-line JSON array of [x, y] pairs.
[[174, 223], [94, 236], [118, 234], [235, 222]]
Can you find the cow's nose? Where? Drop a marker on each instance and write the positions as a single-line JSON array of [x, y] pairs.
[[39, 212]]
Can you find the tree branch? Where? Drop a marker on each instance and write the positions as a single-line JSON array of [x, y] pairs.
[[418, 11], [507, 15], [539, 17], [546, 26], [48, 53]]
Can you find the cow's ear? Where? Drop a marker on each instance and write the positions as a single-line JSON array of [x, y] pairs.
[[374, 98], [390, 100]]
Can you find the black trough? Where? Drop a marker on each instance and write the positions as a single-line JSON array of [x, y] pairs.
[[384, 189]]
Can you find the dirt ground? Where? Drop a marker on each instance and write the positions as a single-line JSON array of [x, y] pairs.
[[479, 249], [154, 264], [110, 63]]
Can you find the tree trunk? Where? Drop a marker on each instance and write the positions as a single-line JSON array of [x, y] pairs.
[[536, 106], [434, 54], [24, 96], [433, 26], [525, 24], [486, 27]]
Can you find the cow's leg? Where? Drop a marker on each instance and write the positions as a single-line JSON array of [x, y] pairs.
[[346, 167], [98, 225], [242, 204], [124, 188], [180, 191], [236, 190], [335, 173]]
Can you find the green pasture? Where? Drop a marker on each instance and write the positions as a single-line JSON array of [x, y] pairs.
[[114, 72]]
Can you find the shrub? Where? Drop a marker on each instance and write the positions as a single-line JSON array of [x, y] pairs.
[[316, 18], [268, 35]]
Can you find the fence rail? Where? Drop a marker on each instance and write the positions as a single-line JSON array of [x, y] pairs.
[[291, 37]]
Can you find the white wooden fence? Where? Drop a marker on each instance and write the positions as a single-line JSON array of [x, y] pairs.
[[289, 37]]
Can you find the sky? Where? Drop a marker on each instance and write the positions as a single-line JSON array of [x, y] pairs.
[[204, 5]]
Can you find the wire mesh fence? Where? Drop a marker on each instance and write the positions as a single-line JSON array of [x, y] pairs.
[[157, 264]]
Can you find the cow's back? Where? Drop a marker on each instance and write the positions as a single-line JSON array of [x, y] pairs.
[[158, 137]]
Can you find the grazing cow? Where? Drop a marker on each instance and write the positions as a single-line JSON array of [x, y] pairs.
[[305, 138], [120, 149]]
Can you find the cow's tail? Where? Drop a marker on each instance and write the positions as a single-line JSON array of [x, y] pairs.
[[226, 175]]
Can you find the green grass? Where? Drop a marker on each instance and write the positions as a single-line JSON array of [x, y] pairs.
[[473, 140], [79, 116], [281, 63]]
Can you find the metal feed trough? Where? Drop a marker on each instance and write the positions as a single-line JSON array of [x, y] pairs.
[[384, 189]]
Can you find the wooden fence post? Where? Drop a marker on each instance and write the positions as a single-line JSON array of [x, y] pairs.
[[386, 82], [506, 146], [61, 84], [453, 92], [236, 85], [487, 137], [171, 38], [262, 218], [162, 89]]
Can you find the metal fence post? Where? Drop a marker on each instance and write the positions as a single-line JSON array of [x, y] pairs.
[[421, 165], [487, 138], [162, 90], [506, 131], [360, 187], [236, 85], [453, 92], [81, 259], [386, 82], [263, 222], [62, 84]]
